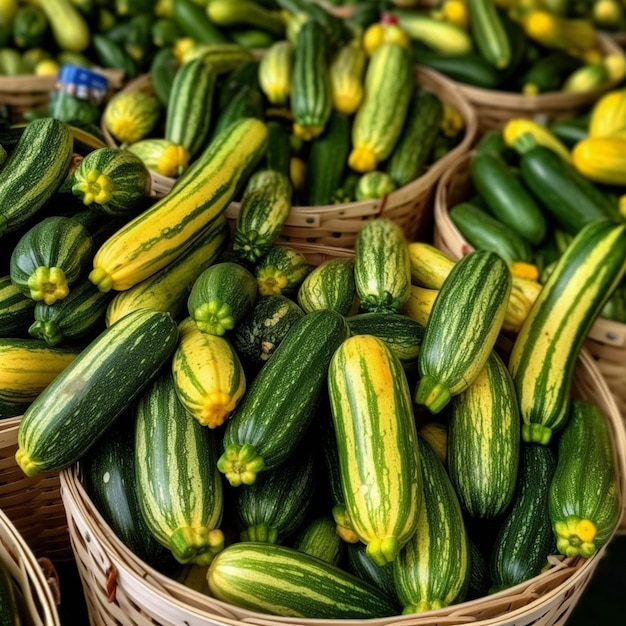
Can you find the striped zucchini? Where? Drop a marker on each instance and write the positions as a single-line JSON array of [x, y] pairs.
[[275, 70], [28, 366], [280, 403], [264, 208], [208, 376], [79, 316], [330, 285], [545, 350], [420, 303], [161, 156], [432, 570], [462, 327], [50, 257], [382, 271], [489, 33], [276, 505], [180, 493], [347, 71], [160, 234], [61, 425], [189, 108], [279, 580], [310, 99], [35, 169], [220, 297], [584, 500], [281, 271], [319, 538], [484, 441], [378, 122], [168, 289], [376, 434], [16, 309], [359, 563]]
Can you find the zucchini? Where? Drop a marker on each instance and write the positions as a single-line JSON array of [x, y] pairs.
[[489, 33], [281, 271], [329, 285], [373, 185], [16, 309], [263, 211], [77, 317], [195, 23], [260, 332], [168, 289], [506, 196], [68, 25], [379, 462], [548, 72], [432, 571], [584, 500], [310, 97], [160, 234], [525, 538], [28, 366], [484, 441], [567, 196], [35, 169], [51, 257], [319, 538], [131, 115], [545, 350], [61, 425], [359, 563], [347, 70], [221, 296], [378, 122], [280, 403], [279, 580], [275, 506], [275, 71], [161, 156], [209, 379], [382, 270], [163, 68], [462, 327], [179, 490], [111, 483], [233, 14]]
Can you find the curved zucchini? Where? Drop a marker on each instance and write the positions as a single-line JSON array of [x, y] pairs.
[[330, 285]]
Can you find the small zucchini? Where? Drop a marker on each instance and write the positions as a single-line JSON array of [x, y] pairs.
[[330, 285]]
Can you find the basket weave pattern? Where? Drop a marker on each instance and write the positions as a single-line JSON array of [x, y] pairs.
[[122, 589]]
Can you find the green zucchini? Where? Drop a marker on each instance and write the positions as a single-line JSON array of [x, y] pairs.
[[168, 289], [220, 297], [51, 257], [546, 348], [489, 33], [195, 23], [382, 270], [462, 327], [319, 538], [274, 507], [279, 405], [229, 14], [111, 54], [329, 285], [157, 236], [279, 580], [264, 209], [260, 332], [61, 425], [35, 169], [179, 490], [77, 317], [372, 414], [209, 378], [30, 27], [484, 441], [584, 499], [275, 71], [525, 538], [506, 196], [400, 332], [373, 185], [163, 68], [16, 309], [359, 563], [112, 180], [111, 483], [549, 72], [413, 150], [432, 571], [281, 271], [279, 149]]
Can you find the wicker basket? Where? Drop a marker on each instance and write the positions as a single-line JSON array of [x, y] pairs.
[[36, 579], [121, 589], [606, 340], [20, 94], [33, 504], [495, 108], [337, 225]]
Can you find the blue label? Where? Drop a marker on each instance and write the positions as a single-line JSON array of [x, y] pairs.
[[82, 83]]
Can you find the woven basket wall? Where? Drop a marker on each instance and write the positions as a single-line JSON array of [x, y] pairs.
[[494, 108], [33, 504], [121, 589], [36, 579], [20, 94], [337, 225], [606, 340]]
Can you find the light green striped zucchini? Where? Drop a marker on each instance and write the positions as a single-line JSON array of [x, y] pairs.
[[179, 490], [376, 435], [16, 309], [489, 33], [275, 72], [329, 285]]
